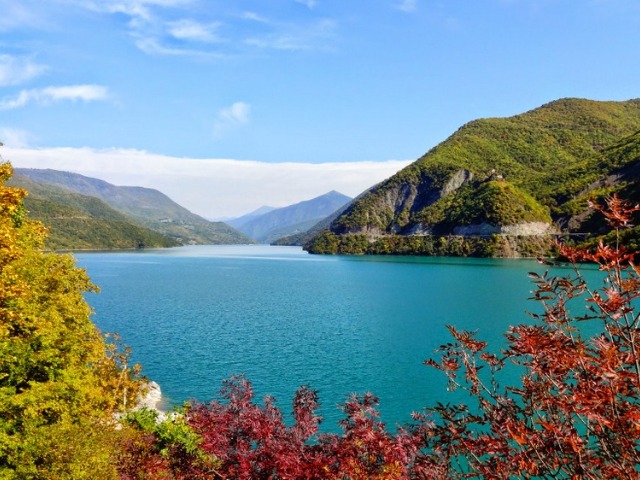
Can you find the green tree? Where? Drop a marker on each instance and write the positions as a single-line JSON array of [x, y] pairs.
[[61, 383]]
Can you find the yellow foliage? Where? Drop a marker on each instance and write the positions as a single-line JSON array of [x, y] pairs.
[[60, 383]]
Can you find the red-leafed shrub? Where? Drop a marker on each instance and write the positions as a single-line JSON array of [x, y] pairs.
[[252, 441]]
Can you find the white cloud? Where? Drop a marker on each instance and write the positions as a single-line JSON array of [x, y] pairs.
[[153, 33], [85, 93], [153, 46], [148, 29], [211, 187], [230, 117], [17, 70]]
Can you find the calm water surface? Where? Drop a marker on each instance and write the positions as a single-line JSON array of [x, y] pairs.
[[197, 315]]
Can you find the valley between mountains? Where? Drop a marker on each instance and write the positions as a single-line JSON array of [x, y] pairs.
[[497, 187]]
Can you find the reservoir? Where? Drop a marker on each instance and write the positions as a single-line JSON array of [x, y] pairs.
[[195, 316]]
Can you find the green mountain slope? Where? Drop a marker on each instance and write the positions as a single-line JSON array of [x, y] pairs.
[[82, 222], [146, 207], [522, 175]]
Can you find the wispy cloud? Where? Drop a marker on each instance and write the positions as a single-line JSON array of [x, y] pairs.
[[231, 117], [44, 96], [151, 33], [407, 6], [295, 37], [18, 14], [211, 187], [17, 70], [154, 46], [307, 3], [198, 34], [135, 8], [191, 30], [255, 17]]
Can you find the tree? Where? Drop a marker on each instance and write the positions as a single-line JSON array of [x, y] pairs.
[[577, 412], [61, 383]]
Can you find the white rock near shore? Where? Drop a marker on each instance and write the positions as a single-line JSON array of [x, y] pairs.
[[151, 398]]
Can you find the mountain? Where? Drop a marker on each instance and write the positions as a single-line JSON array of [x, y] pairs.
[[292, 219], [79, 222], [300, 239], [499, 179], [144, 207], [239, 221]]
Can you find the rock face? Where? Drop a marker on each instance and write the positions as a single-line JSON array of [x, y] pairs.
[[152, 398], [528, 229], [518, 229], [457, 180]]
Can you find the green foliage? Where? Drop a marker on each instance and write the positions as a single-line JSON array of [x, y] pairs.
[[60, 382], [325, 243], [390, 202], [171, 433], [494, 202], [74, 229], [431, 245]]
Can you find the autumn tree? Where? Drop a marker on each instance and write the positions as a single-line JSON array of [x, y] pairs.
[[60, 382]]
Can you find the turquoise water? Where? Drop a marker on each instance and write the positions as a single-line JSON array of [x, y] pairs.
[[197, 315]]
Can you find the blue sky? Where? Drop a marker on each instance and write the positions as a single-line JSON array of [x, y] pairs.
[[273, 101]]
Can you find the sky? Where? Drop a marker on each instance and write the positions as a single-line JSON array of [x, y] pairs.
[[226, 106]]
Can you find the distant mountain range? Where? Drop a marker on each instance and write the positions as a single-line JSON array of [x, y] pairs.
[[85, 212], [499, 186], [267, 225], [240, 221]]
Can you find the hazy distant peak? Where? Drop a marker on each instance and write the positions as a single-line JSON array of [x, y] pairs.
[[292, 219]]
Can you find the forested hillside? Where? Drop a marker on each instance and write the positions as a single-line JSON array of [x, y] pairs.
[[133, 215], [527, 175], [78, 221]]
